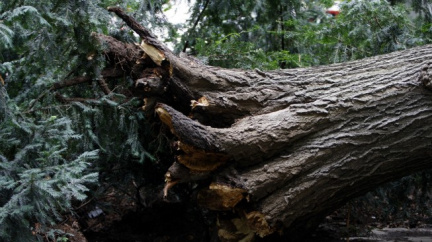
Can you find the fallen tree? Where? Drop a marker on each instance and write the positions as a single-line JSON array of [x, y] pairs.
[[282, 148]]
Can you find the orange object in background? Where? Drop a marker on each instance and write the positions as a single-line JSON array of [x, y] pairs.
[[335, 9]]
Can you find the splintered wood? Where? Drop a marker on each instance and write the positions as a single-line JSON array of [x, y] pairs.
[[200, 160], [156, 55], [165, 117], [221, 196]]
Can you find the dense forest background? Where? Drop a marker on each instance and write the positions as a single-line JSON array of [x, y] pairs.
[[79, 151]]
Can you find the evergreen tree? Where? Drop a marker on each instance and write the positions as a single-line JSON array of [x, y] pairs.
[[52, 152], [271, 35]]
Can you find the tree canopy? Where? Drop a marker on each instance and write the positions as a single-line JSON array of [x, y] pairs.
[[65, 146]]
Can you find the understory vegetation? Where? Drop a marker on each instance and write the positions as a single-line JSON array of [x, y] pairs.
[[63, 149]]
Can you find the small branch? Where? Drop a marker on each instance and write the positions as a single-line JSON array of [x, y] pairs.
[[77, 81], [282, 28], [60, 85], [377, 21], [70, 82], [62, 106], [63, 99], [42, 95], [112, 72], [146, 35], [103, 85], [195, 24]]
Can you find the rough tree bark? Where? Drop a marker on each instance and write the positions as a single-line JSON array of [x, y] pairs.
[[282, 148]]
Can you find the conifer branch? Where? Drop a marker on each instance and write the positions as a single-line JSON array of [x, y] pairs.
[[104, 86], [145, 34], [63, 99], [70, 82], [198, 19]]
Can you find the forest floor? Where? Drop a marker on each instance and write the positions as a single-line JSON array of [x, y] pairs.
[[120, 216], [397, 234], [338, 227], [337, 233], [182, 223]]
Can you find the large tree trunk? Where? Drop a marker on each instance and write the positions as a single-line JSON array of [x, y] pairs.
[[283, 148]]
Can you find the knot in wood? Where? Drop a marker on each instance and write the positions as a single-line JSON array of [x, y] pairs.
[[425, 76], [150, 85]]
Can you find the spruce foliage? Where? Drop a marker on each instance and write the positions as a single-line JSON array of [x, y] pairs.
[[41, 172], [273, 35], [52, 153]]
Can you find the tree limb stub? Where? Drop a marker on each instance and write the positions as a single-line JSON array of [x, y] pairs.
[[146, 35], [425, 76], [188, 131], [200, 151], [151, 45]]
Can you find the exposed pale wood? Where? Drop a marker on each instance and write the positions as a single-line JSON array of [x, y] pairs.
[[156, 55]]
